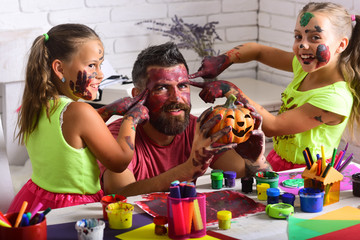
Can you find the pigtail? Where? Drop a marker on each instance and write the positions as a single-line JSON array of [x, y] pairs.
[[38, 89], [349, 64]]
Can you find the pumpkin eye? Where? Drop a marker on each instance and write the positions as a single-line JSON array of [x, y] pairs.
[[230, 116], [247, 116]]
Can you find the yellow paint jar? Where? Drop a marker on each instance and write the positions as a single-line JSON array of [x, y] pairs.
[[120, 215], [224, 218]]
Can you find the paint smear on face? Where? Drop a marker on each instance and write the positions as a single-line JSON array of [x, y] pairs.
[[322, 55], [80, 88], [305, 19], [170, 79]]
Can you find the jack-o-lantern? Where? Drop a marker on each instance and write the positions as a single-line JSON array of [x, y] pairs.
[[238, 118]]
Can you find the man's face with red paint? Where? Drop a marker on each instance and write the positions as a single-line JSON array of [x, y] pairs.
[[83, 73], [315, 41], [169, 99]]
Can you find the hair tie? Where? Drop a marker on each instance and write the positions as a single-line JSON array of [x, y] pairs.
[[46, 37], [353, 17]]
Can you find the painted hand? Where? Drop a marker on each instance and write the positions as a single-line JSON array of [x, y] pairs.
[[203, 148], [211, 67], [121, 106], [139, 112]]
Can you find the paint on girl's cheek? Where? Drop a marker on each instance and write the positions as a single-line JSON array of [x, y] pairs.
[[82, 83], [322, 55], [305, 19]]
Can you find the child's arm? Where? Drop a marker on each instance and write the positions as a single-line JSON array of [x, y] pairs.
[[120, 106], [211, 67], [83, 126]]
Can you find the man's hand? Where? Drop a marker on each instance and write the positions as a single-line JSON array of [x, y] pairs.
[[211, 67], [203, 149], [121, 106], [252, 150]]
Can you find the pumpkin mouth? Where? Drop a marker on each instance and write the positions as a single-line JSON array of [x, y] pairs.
[[241, 133]]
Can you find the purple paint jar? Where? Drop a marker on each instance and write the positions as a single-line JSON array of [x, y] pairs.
[[230, 177]]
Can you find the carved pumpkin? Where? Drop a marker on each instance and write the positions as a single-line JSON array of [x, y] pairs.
[[237, 117]]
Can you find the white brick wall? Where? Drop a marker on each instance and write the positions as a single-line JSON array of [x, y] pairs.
[[267, 21]]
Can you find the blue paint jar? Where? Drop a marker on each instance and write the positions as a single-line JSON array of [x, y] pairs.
[[311, 199], [230, 177], [288, 198], [272, 195]]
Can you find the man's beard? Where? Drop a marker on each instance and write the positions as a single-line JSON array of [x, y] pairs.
[[170, 125]]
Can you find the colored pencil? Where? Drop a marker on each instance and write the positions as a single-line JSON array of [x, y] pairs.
[[310, 156], [307, 161], [346, 162], [323, 162], [21, 212]]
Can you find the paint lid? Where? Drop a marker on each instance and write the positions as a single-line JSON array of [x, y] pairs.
[[160, 220], [288, 197], [224, 215], [229, 174], [217, 176], [273, 192]]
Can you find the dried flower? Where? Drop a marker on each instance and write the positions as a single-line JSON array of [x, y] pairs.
[[190, 36]]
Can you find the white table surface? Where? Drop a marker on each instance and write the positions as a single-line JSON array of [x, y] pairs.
[[254, 226], [264, 93]]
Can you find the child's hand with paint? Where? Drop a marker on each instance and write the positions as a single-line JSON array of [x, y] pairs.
[[212, 66]]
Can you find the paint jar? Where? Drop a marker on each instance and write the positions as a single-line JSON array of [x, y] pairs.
[[247, 184], [288, 198], [230, 177], [270, 177], [217, 180], [106, 200], [120, 215], [160, 222], [32, 232], [272, 195], [311, 199], [224, 219], [90, 229], [356, 184], [261, 191]]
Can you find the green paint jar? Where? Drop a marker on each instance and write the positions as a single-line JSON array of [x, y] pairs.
[[217, 179]]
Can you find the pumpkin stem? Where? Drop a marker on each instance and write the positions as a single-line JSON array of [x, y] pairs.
[[230, 102]]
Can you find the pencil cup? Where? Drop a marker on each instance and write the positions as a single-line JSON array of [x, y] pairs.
[[186, 217], [269, 177], [31, 232], [120, 215], [90, 229], [311, 199], [106, 200], [356, 184]]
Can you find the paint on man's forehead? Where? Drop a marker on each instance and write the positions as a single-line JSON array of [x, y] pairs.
[[305, 19], [176, 73]]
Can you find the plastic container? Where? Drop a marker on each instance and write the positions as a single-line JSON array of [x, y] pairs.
[[261, 191], [230, 177], [217, 179], [356, 184], [160, 222], [120, 215], [186, 217], [269, 177], [31, 232], [272, 195], [90, 229], [288, 198], [224, 219], [106, 200], [311, 199], [247, 184]]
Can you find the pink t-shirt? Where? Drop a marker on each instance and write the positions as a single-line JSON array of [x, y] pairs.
[[151, 159]]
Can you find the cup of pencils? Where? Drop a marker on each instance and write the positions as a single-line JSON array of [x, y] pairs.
[[186, 211], [24, 225], [35, 231]]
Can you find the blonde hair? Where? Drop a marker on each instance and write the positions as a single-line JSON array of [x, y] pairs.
[[349, 60], [61, 42]]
